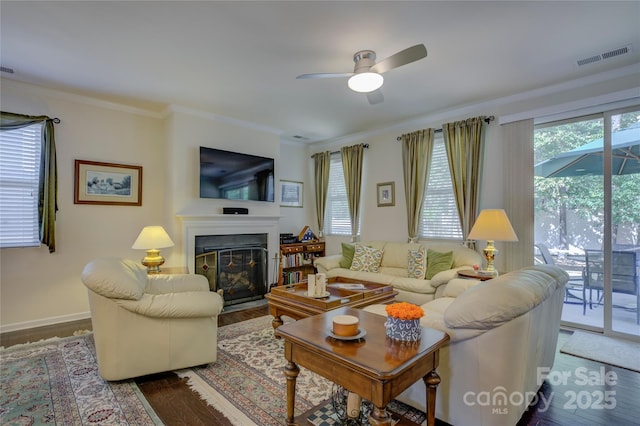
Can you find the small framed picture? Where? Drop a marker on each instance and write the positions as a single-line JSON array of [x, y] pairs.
[[107, 184], [386, 195], [291, 193]]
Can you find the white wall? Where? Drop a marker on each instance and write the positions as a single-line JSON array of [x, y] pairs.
[[37, 287], [296, 165], [188, 130], [383, 160]]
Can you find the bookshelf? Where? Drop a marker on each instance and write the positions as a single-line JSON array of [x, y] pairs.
[[296, 261]]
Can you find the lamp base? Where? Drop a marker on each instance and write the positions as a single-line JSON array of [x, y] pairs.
[[489, 253], [153, 261]]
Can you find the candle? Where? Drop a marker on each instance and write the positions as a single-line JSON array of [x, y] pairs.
[[311, 285], [321, 284]]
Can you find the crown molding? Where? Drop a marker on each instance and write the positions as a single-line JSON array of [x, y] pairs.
[[173, 108], [82, 99], [461, 110]]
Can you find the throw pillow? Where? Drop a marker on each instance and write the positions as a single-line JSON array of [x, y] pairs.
[[438, 262], [348, 250], [366, 259], [416, 263]]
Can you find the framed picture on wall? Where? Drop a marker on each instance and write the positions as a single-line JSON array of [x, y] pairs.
[[386, 196], [291, 193], [107, 184]]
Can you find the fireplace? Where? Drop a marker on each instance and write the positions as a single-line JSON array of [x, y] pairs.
[[235, 264], [226, 228]]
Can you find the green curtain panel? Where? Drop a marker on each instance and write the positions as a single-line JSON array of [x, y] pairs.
[[352, 157], [321, 164], [48, 184], [464, 142], [417, 148]]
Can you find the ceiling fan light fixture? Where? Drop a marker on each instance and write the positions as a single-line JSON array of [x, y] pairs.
[[365, 82]]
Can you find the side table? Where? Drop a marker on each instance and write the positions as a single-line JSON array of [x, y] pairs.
[[469, 273], [172, 270], [375, 367]]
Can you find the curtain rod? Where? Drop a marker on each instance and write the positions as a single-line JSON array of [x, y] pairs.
[[56, 120], [364, 145], [486, 120]]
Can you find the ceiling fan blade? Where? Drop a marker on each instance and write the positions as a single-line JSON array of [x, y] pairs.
[[325, 75], [404, 57], [375, 97]]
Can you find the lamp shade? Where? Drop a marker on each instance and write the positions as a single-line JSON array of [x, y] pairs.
[[492, 224], [152, 237], [365, 82]]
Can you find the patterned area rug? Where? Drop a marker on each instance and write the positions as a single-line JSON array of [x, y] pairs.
[[248, 385], [618, 352], [56, 382]]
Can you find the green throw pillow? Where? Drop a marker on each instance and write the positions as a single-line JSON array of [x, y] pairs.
[[348, 250], [437, 262]]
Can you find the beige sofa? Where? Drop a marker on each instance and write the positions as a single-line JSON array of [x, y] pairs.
[[503, 338], [144, 324], [394, 268]]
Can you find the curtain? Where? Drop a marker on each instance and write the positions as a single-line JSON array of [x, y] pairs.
[[48, 183], [417, 148], [321, 165], [464, 141], [352, 167], [517, 140]]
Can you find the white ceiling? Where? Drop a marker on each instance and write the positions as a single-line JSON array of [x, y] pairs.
[[240, 59]]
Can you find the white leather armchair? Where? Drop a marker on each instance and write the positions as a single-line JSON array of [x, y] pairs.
[[145, 324]]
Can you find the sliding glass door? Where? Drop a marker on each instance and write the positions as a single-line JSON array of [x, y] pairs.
[[587, 216]]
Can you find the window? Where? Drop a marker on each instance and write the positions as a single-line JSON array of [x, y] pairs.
[[439, 212], [19, 175], [336, 217]]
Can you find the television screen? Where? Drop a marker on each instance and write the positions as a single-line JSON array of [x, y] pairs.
[[235, 176]]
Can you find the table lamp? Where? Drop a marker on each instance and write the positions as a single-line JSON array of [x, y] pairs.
[[492, 225], [151, 239]]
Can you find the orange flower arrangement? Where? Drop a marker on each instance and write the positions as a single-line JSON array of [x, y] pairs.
[[404, 311]]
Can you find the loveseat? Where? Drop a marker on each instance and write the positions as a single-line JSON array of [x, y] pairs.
[[415, 270], [144, 324], [503, 335]]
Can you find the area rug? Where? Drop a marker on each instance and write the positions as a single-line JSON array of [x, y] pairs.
[[617, 352], [248, 385], [57, 382]]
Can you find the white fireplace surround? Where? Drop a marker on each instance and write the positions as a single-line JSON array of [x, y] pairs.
[[224, 224]]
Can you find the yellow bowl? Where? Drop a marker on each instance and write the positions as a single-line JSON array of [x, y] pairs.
[[345, 325]]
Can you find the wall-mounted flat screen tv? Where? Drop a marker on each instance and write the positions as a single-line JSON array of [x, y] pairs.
[[235, 176]]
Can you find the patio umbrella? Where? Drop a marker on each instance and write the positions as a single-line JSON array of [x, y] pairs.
[[586, 160]]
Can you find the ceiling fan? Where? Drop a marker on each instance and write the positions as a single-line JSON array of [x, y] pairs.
[[367, 74]]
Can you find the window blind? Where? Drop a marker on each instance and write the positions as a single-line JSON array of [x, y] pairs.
[[19, 175], [439, 212], [336, 217]]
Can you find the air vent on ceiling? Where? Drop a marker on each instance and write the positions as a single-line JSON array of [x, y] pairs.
[[302, 138], [7, 70], [606, 55]]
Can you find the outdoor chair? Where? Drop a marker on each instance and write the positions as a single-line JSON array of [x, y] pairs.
[[624, 276], [576, 278]]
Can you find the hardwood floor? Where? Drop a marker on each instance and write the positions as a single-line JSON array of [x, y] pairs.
[[560, 402]]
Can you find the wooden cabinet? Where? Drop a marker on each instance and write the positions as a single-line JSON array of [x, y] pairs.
[[296, 261]]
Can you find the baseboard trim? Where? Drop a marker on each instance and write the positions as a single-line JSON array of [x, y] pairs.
[[7, 328]]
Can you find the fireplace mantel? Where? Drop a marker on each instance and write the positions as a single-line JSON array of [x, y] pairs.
[[228, 224]]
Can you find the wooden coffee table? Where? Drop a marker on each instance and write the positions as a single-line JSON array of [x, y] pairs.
[[375, 367], [293, 302]]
